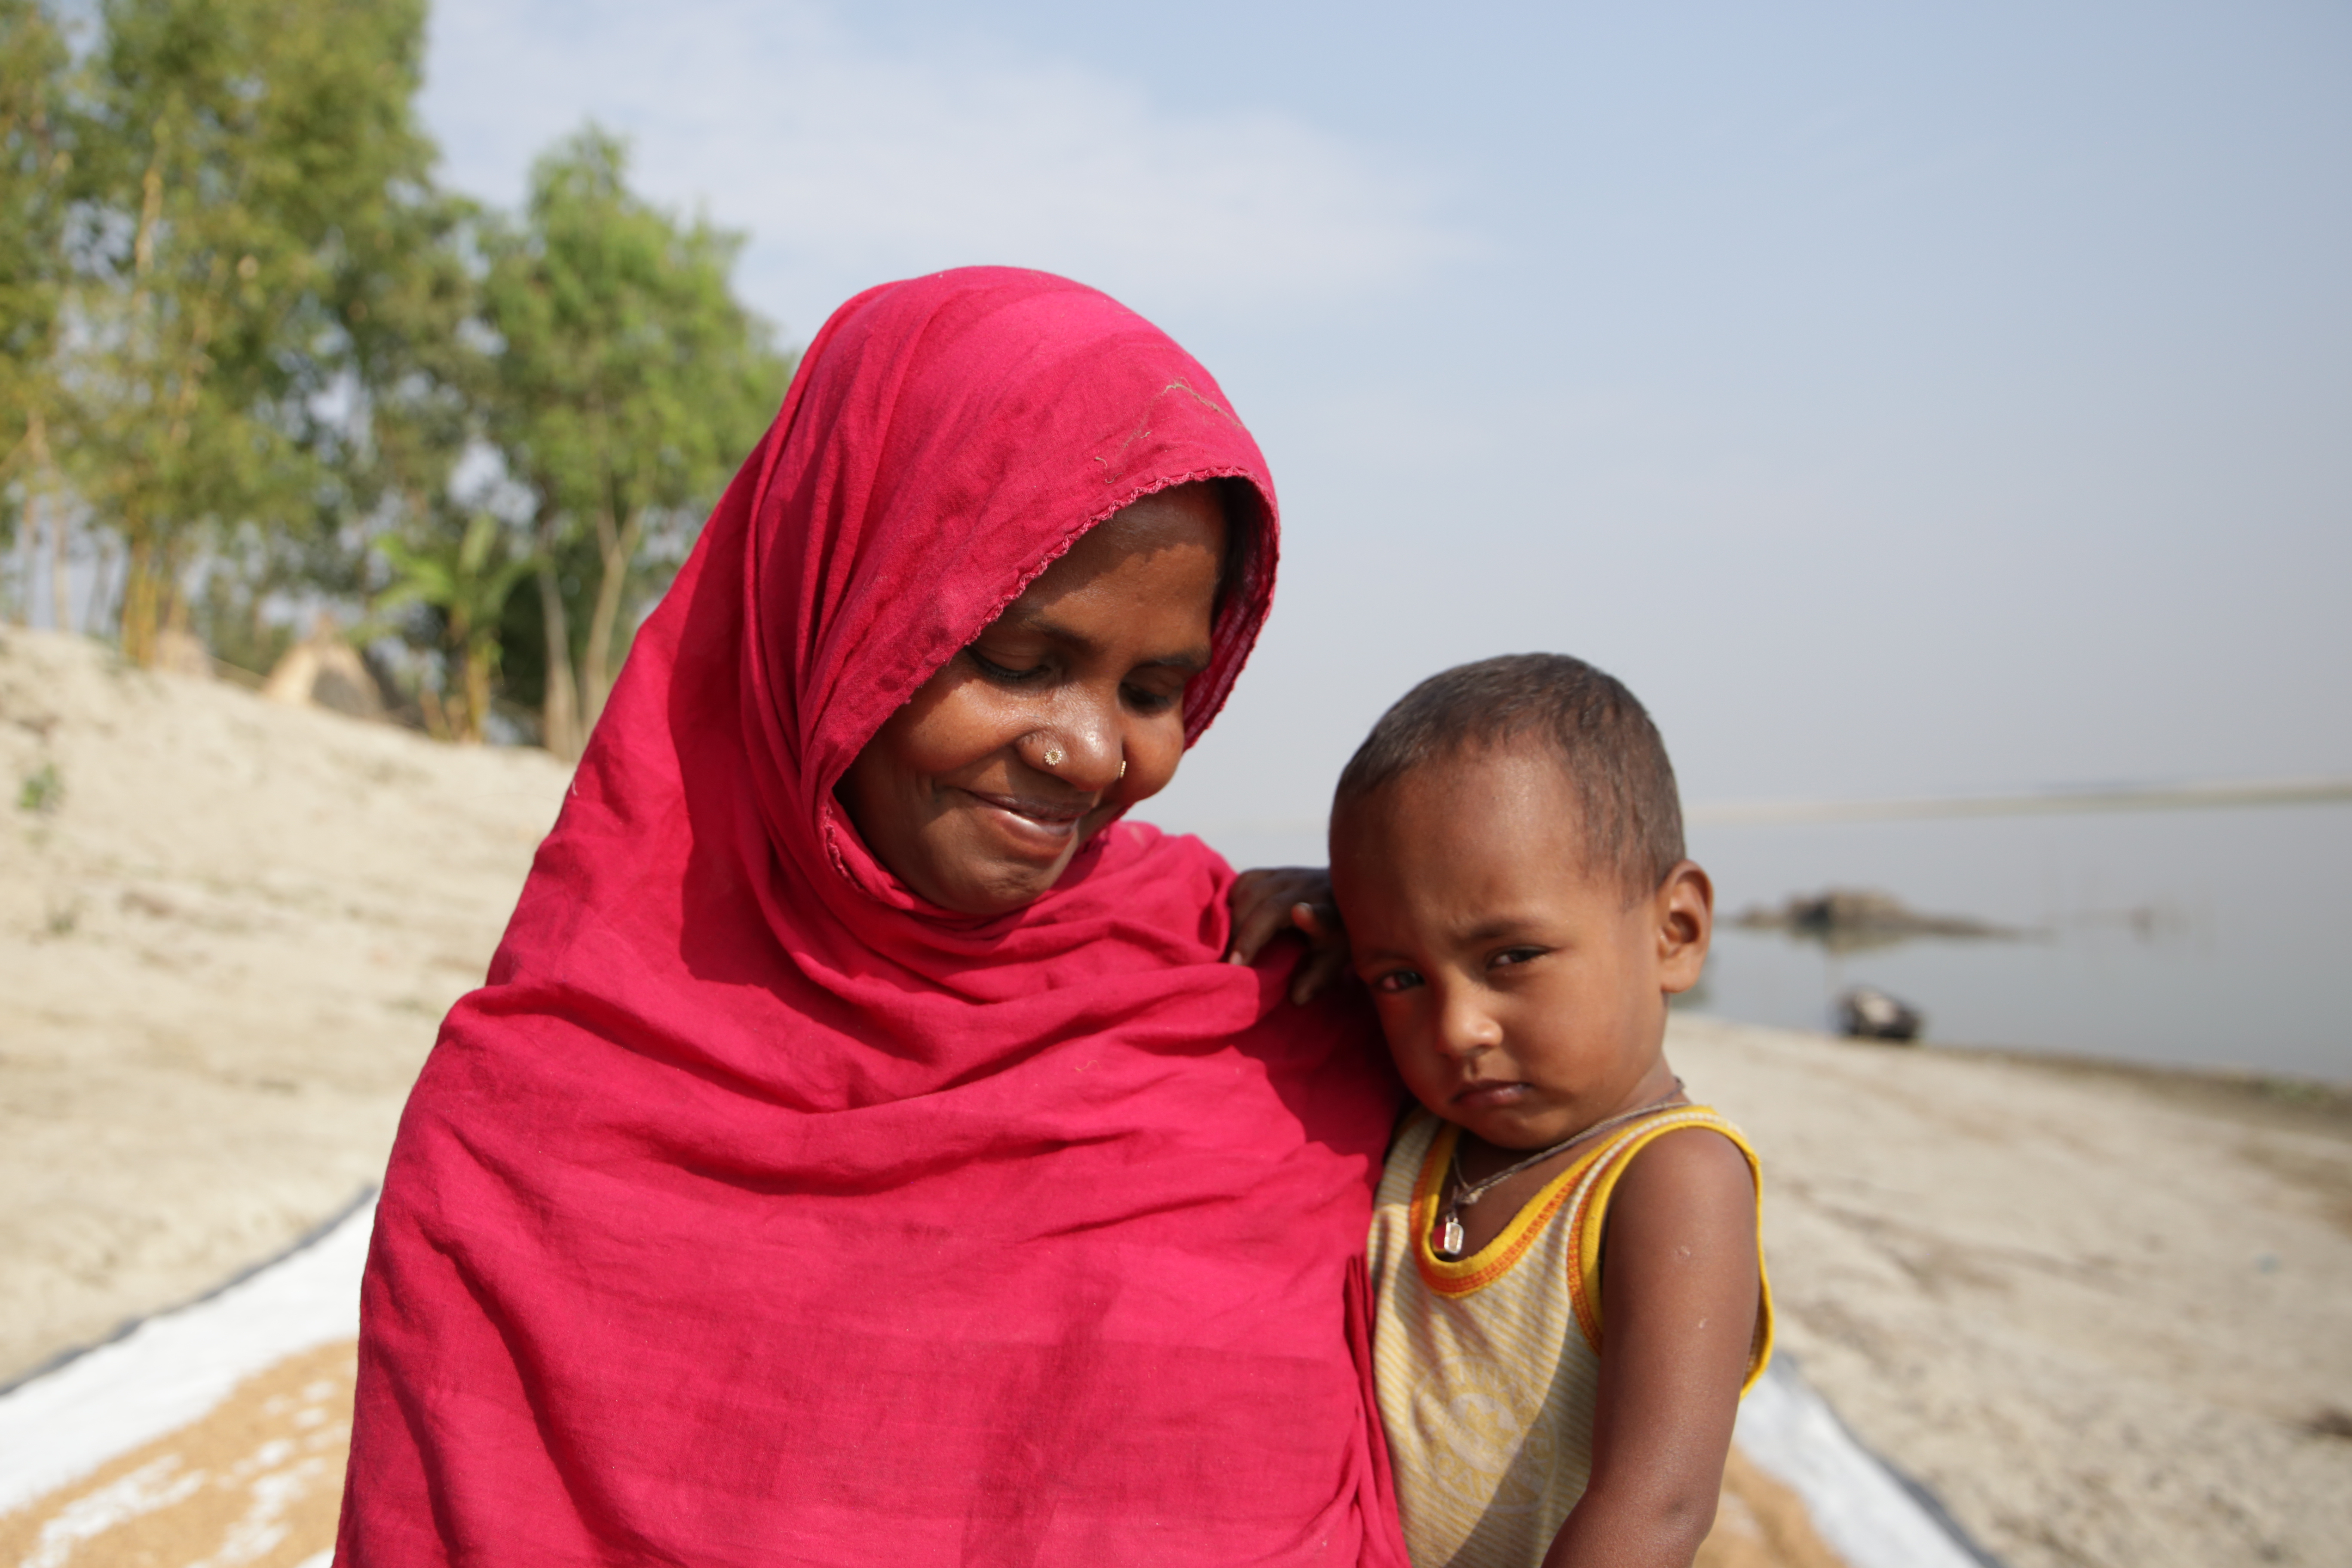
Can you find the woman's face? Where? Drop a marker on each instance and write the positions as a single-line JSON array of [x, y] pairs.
[[1069, 708]]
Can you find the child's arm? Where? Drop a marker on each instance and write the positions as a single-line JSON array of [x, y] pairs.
[[1678, 1303]]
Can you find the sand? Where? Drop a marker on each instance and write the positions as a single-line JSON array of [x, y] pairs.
[[256, 1482], [227, 938], [2107, 1315]]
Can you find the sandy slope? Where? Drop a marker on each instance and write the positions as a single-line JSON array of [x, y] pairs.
[[223, 953], [2107, 1315]]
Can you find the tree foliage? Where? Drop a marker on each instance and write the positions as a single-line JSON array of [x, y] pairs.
[[249, 165], [36, 159], [465, 579], [243, 328], [629, 383], [36, 162]]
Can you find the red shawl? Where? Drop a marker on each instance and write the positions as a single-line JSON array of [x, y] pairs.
[[756, 1211]]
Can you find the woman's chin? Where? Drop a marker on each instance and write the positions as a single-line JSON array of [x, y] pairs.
[[995, 871], [999, 889]]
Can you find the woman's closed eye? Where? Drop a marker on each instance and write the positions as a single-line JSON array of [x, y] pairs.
[[1004, 674], [1148, 700], [1010, 670]]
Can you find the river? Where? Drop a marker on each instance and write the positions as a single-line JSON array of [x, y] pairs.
[[2211, 938]]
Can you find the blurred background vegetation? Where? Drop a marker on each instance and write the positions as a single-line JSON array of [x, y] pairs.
[[261, 379]]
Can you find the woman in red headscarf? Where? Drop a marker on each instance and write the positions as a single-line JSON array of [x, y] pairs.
[[858, 1154]]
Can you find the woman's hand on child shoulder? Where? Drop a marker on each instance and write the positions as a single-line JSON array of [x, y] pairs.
[[1272, 899]]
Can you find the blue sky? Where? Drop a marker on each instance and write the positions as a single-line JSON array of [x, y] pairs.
[[1902, 398]]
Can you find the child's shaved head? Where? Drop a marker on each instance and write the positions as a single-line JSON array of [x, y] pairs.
[[1601, 735]]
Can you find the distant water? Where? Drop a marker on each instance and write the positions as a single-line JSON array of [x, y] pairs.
[[2205, 938], [2186, 938]]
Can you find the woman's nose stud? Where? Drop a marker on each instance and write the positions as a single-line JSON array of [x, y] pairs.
[[1055, 757]]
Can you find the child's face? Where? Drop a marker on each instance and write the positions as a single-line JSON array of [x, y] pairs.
[[1523, 996]]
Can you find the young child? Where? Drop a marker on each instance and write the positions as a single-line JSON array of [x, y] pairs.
[[1569, 1298]]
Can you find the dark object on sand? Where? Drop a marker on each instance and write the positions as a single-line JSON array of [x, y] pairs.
[[325, 670], [1868, 1015], [1843, 919]]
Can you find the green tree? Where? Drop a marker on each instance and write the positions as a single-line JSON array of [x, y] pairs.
[[35, 162], [261, 185], [408, 414], [629, 383], [466, 579]]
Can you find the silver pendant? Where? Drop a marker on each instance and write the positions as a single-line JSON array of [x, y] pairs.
[[1449, 1238]]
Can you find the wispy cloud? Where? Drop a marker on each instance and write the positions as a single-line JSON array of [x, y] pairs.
[[850, 161]]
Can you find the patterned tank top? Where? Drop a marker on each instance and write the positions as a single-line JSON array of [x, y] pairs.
[[1487, 1365]]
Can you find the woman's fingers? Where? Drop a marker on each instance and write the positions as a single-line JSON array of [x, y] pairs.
[[1261, 913], [1262, 903], [1270, 900], [1326, 946]]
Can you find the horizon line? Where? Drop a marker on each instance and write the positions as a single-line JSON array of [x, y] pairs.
[[2317, 790]]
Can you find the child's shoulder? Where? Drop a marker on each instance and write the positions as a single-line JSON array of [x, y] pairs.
[[1682, 1217], [1709, 1171], [1686, 1160], [1729, 1151]]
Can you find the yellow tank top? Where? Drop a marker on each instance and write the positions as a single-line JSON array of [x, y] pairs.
[[1487, 1365]]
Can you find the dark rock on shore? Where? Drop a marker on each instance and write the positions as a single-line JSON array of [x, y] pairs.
[[1847, 918]]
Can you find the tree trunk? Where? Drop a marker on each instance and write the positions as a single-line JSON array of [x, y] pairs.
[[60, 577], [560, 714], [475, 647], [151, 600], [29, 523], [619, 550], [143, 602], [437, 715]]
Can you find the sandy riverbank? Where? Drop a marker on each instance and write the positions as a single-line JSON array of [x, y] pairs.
[[2107, 1315], [226, 935]]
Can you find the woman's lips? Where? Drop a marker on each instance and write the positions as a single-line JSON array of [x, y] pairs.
[[1042, 828]]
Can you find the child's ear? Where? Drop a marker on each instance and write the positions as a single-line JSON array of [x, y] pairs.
[[1685, 908]]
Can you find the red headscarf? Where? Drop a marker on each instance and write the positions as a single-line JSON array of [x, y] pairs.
[[757, 1212]]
